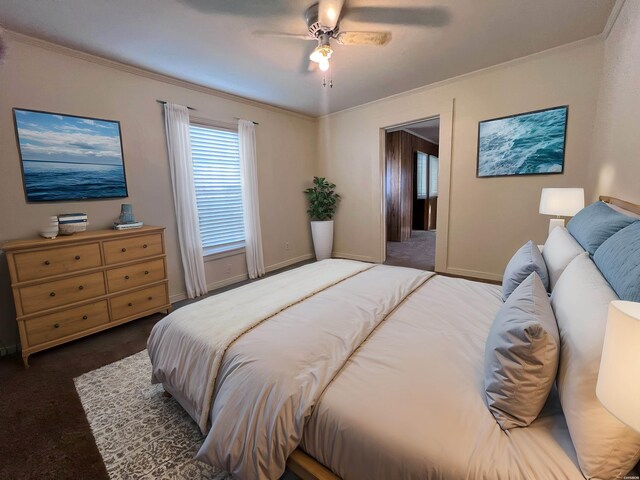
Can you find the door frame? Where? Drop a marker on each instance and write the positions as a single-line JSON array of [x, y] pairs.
[[445, 111]]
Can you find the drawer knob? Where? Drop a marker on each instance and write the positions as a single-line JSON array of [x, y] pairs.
[[57, 325], [84, 317], [52, 294], [77, 257], [150, 298], [126, 277], [80, 287], [47, 262], [146, 272], [144, 246], [123, 250], [130, 304]]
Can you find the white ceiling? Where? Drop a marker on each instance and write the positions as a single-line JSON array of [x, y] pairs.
[[428, 129], [210, 42]]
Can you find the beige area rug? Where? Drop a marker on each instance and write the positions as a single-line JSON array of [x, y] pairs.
[[140, 433]]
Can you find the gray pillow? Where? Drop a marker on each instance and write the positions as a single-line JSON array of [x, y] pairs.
[[521, 355], [592, 225], [618, 258], [526, 260]]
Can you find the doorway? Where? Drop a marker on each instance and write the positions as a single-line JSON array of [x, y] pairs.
[[411, 193]]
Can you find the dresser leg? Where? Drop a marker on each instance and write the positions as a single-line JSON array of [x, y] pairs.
[[25, 360], [169, 310]]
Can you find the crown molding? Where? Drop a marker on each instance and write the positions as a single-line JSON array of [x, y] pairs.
[[613, 17], [516, 61], [141, 72]]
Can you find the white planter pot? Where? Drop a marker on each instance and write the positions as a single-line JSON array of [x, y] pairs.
[[322, 233]]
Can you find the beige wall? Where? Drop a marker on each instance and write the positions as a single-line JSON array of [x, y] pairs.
[[615, 161], [52, 79], [488, 218]]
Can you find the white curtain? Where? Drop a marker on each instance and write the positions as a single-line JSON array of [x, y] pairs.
[[176, 121], [249, 169]]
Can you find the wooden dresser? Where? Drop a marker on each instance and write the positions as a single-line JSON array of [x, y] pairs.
[[76, 285]]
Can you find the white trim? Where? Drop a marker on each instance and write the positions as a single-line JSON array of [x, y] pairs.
[[350, 256], [239, 278], [227, 253], [448, 81], [141, 72], [613, 17], [291, 261], [210, 123], [463, 272]]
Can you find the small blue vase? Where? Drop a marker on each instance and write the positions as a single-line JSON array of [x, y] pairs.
[[126, 213]]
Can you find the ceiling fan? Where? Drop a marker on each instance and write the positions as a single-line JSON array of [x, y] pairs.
[[323, 24]]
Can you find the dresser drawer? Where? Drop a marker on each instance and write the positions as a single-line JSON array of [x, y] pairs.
[[61, 292], [123, 250], [136, 302], [135, 275], [45, 263], [58, 325]]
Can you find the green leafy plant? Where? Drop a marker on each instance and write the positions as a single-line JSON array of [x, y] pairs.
[[323, 200]]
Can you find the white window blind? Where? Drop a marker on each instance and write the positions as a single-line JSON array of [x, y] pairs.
[[421, 174], [216, 175], [433, 176]]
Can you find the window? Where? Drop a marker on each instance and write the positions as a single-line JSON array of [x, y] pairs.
[[433, 176], [421, 174], [216, 175]]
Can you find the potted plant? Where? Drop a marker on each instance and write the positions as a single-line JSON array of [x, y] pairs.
[[323, 201]]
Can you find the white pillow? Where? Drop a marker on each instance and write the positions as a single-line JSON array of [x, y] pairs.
[[606, 448], [558, 251]]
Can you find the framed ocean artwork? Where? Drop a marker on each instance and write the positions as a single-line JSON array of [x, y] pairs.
[[531, 143], [69, 158]]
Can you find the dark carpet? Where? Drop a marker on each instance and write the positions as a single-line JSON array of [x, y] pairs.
[[44, 433], [417, 252]]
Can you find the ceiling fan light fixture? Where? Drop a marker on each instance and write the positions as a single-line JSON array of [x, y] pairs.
[[324, 64], [322, 52]]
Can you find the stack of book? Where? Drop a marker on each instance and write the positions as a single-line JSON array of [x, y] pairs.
[[127, 226]]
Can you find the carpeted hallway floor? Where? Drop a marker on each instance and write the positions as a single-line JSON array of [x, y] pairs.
[[417, 252]]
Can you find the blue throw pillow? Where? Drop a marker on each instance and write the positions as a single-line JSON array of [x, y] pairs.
[[524, 262], [618, 258], [594, 224]]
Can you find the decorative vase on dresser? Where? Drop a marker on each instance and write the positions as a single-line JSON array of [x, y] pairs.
[[71, 287]]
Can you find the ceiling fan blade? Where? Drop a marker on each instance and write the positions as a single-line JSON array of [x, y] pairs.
[[364, 38], [329, 13], [417, 16], [297, 36]]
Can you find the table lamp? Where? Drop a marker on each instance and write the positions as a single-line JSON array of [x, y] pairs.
[[618, 388], [561, 202]]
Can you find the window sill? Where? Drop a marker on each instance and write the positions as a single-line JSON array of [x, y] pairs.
[[210, 257]]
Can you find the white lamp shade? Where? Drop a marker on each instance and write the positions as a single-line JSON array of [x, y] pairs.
[[563, 202], [618, 388]]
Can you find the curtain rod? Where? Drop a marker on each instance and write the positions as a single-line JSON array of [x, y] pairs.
[[191, 108], [164, 102], [255, 123]]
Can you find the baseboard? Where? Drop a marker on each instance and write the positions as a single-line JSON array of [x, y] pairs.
[[350, 256], [9, 350], [210, 287], [291, 261], [240, 278], [462, 272]]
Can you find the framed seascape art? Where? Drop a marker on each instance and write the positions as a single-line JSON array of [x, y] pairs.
[[65, 157], [531, 143]]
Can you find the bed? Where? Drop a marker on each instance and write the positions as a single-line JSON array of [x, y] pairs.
[[341, 369]]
